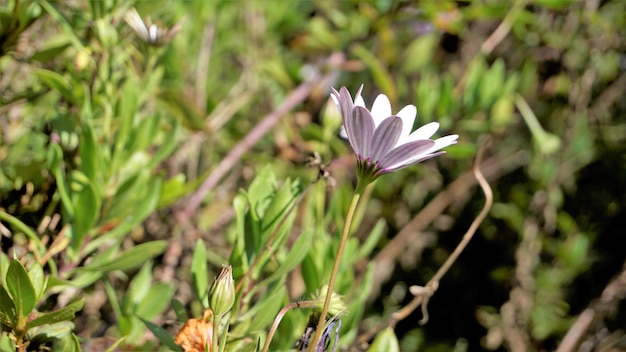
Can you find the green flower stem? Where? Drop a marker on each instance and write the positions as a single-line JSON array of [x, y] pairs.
[[216, 325], [360, 187], [223, 337]]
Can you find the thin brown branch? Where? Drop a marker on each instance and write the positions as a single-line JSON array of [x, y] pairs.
[[385, 261]]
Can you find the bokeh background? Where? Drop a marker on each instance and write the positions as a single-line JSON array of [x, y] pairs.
[[121, 146]]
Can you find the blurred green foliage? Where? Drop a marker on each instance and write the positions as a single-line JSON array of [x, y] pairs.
[[107, 128]]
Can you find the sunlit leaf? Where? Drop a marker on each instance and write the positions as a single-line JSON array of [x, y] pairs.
[[21, 288]]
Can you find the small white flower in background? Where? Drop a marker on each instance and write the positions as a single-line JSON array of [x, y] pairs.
[[383, 142], [148, 31]]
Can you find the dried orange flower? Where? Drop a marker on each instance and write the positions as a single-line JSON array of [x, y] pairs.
[[197, 334]]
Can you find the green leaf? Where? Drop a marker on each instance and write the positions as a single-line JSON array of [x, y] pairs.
[[88, 150], [21, 288], [263, 313], [87, 205], [419, 53], [138, 289], [162, 335], [200, 273], [56, 82], [156, 300], [6, 344], [179, 309], [67, 343], [298, 251], [372, 240], [63, 314], [52, 331], [38, 279], [143, 207], [386, 341], [381, 75], [132, 258], [8, 311]]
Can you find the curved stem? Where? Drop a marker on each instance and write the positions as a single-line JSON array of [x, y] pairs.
[[279, 318], [333, 274]]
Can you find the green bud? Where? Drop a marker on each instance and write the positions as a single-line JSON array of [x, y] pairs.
[[336, 307], [222, 292]]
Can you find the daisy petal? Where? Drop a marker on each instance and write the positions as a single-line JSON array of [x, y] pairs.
[[424, 132], [381, 109], [410, 162], [363, 125], [385, 137], [405, 152], [444, 142], [407, 114]]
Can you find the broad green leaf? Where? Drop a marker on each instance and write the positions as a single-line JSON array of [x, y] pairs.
[[200, 273], [6, 344], [56, 330], [67, 343], [8, 311], [66, 313], [156, 300], [21, 288], [162, 335], [138, 289], [131, 258], [38, 279], [386, 340], [419, 53]]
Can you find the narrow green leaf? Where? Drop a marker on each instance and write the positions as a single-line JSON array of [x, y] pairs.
[[141, 210], [21, 288], [264, 312], [66, 313], [200, 273], [162, 335], [131, 258], [179, 309], [372, 240], [88, 150], [87, 203], [55, 81], [298, 251]]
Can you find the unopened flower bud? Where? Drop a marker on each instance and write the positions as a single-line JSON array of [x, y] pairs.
[[336, 307], [222, 292]]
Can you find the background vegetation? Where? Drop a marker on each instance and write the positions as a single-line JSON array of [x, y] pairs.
[[134, 163]]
